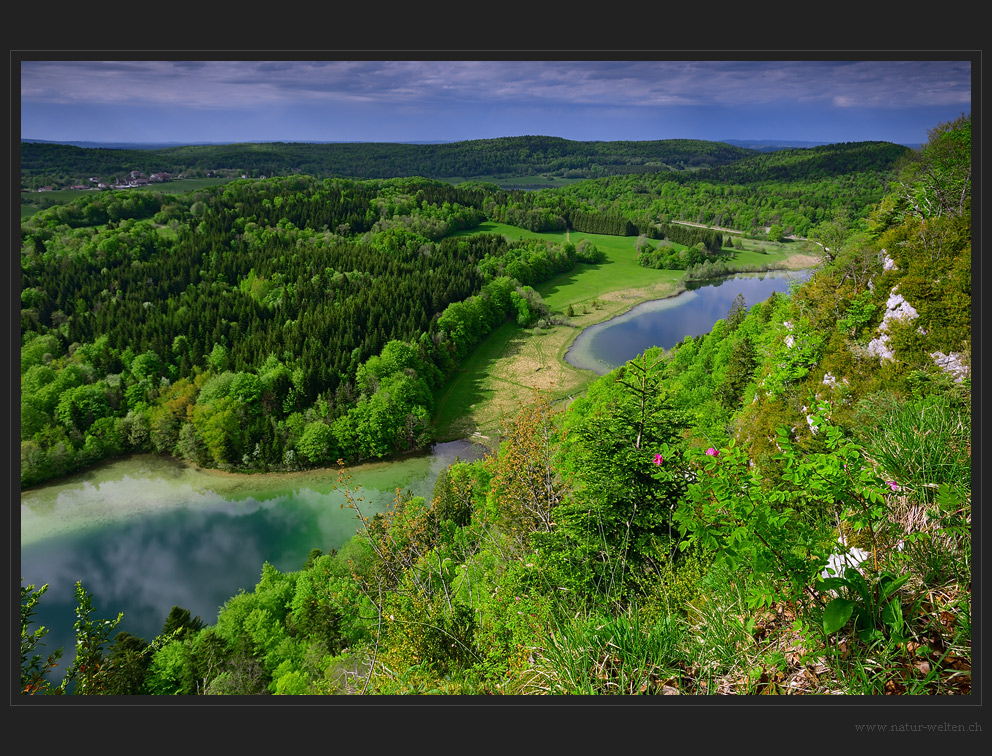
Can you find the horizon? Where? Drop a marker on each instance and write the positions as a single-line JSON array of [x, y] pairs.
[[402, 101], [152, 145]]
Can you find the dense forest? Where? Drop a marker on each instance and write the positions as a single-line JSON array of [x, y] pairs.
[[289, 322], [796, 190], [44, 164], [236, 328], [680, 528]]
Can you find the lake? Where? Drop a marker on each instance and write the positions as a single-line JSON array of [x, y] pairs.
[[666, 322], [149, 532]]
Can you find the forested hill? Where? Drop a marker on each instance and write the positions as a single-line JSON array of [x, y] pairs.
[[813, 162], [44, 164], [796, 189], [250, 324], [782, 506]]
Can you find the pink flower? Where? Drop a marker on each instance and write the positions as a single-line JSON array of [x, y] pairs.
[[892, 484], [713, 452], [658, 459]]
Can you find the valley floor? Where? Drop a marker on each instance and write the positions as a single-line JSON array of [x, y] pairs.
[[512, 363]]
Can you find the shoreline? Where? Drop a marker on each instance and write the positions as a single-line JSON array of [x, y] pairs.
[[793, 263], [507, 367], [81, 477], [583, 376], [144, 484]]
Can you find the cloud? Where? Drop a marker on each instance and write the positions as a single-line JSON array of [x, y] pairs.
[[398, 100], [214, 84]]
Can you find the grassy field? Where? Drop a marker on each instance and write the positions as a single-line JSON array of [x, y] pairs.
[[32, 202], [515, 182], [796, 254], [513, 362]]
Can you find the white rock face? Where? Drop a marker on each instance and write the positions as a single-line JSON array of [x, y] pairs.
[[880, 347], [952, 363], [830, 380], [790, 340], [896, 308]]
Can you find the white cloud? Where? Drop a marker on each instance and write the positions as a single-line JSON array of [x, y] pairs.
[[210, 84]]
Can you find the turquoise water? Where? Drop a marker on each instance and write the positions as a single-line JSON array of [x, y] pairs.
[[148, 533]]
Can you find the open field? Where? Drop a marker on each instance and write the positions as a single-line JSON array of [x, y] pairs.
[[794, 254], [179, 186], [505, 369], [515, 182], [32, 202]]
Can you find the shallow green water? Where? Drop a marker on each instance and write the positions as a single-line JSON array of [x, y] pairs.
[[148, 533]]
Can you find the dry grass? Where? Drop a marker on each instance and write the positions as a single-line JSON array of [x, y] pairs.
[[801, 262], [522, 361]]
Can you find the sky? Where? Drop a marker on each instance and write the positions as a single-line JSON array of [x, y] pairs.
[[193, 101]]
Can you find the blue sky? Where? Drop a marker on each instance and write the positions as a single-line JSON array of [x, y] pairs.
[[424, 100]]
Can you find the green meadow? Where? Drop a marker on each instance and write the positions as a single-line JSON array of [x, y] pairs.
[[587, 282], [512, 362]]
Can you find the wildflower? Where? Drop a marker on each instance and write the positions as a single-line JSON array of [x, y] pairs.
[[712, 452], [892, 484], [658, 459]]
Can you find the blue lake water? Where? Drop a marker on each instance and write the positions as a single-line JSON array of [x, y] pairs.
[[666, 322]]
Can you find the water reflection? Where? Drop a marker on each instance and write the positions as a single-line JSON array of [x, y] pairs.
[[666, 322], [149, 533]]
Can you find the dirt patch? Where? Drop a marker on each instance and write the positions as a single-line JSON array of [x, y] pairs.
[[800, 262], [529, 363]]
